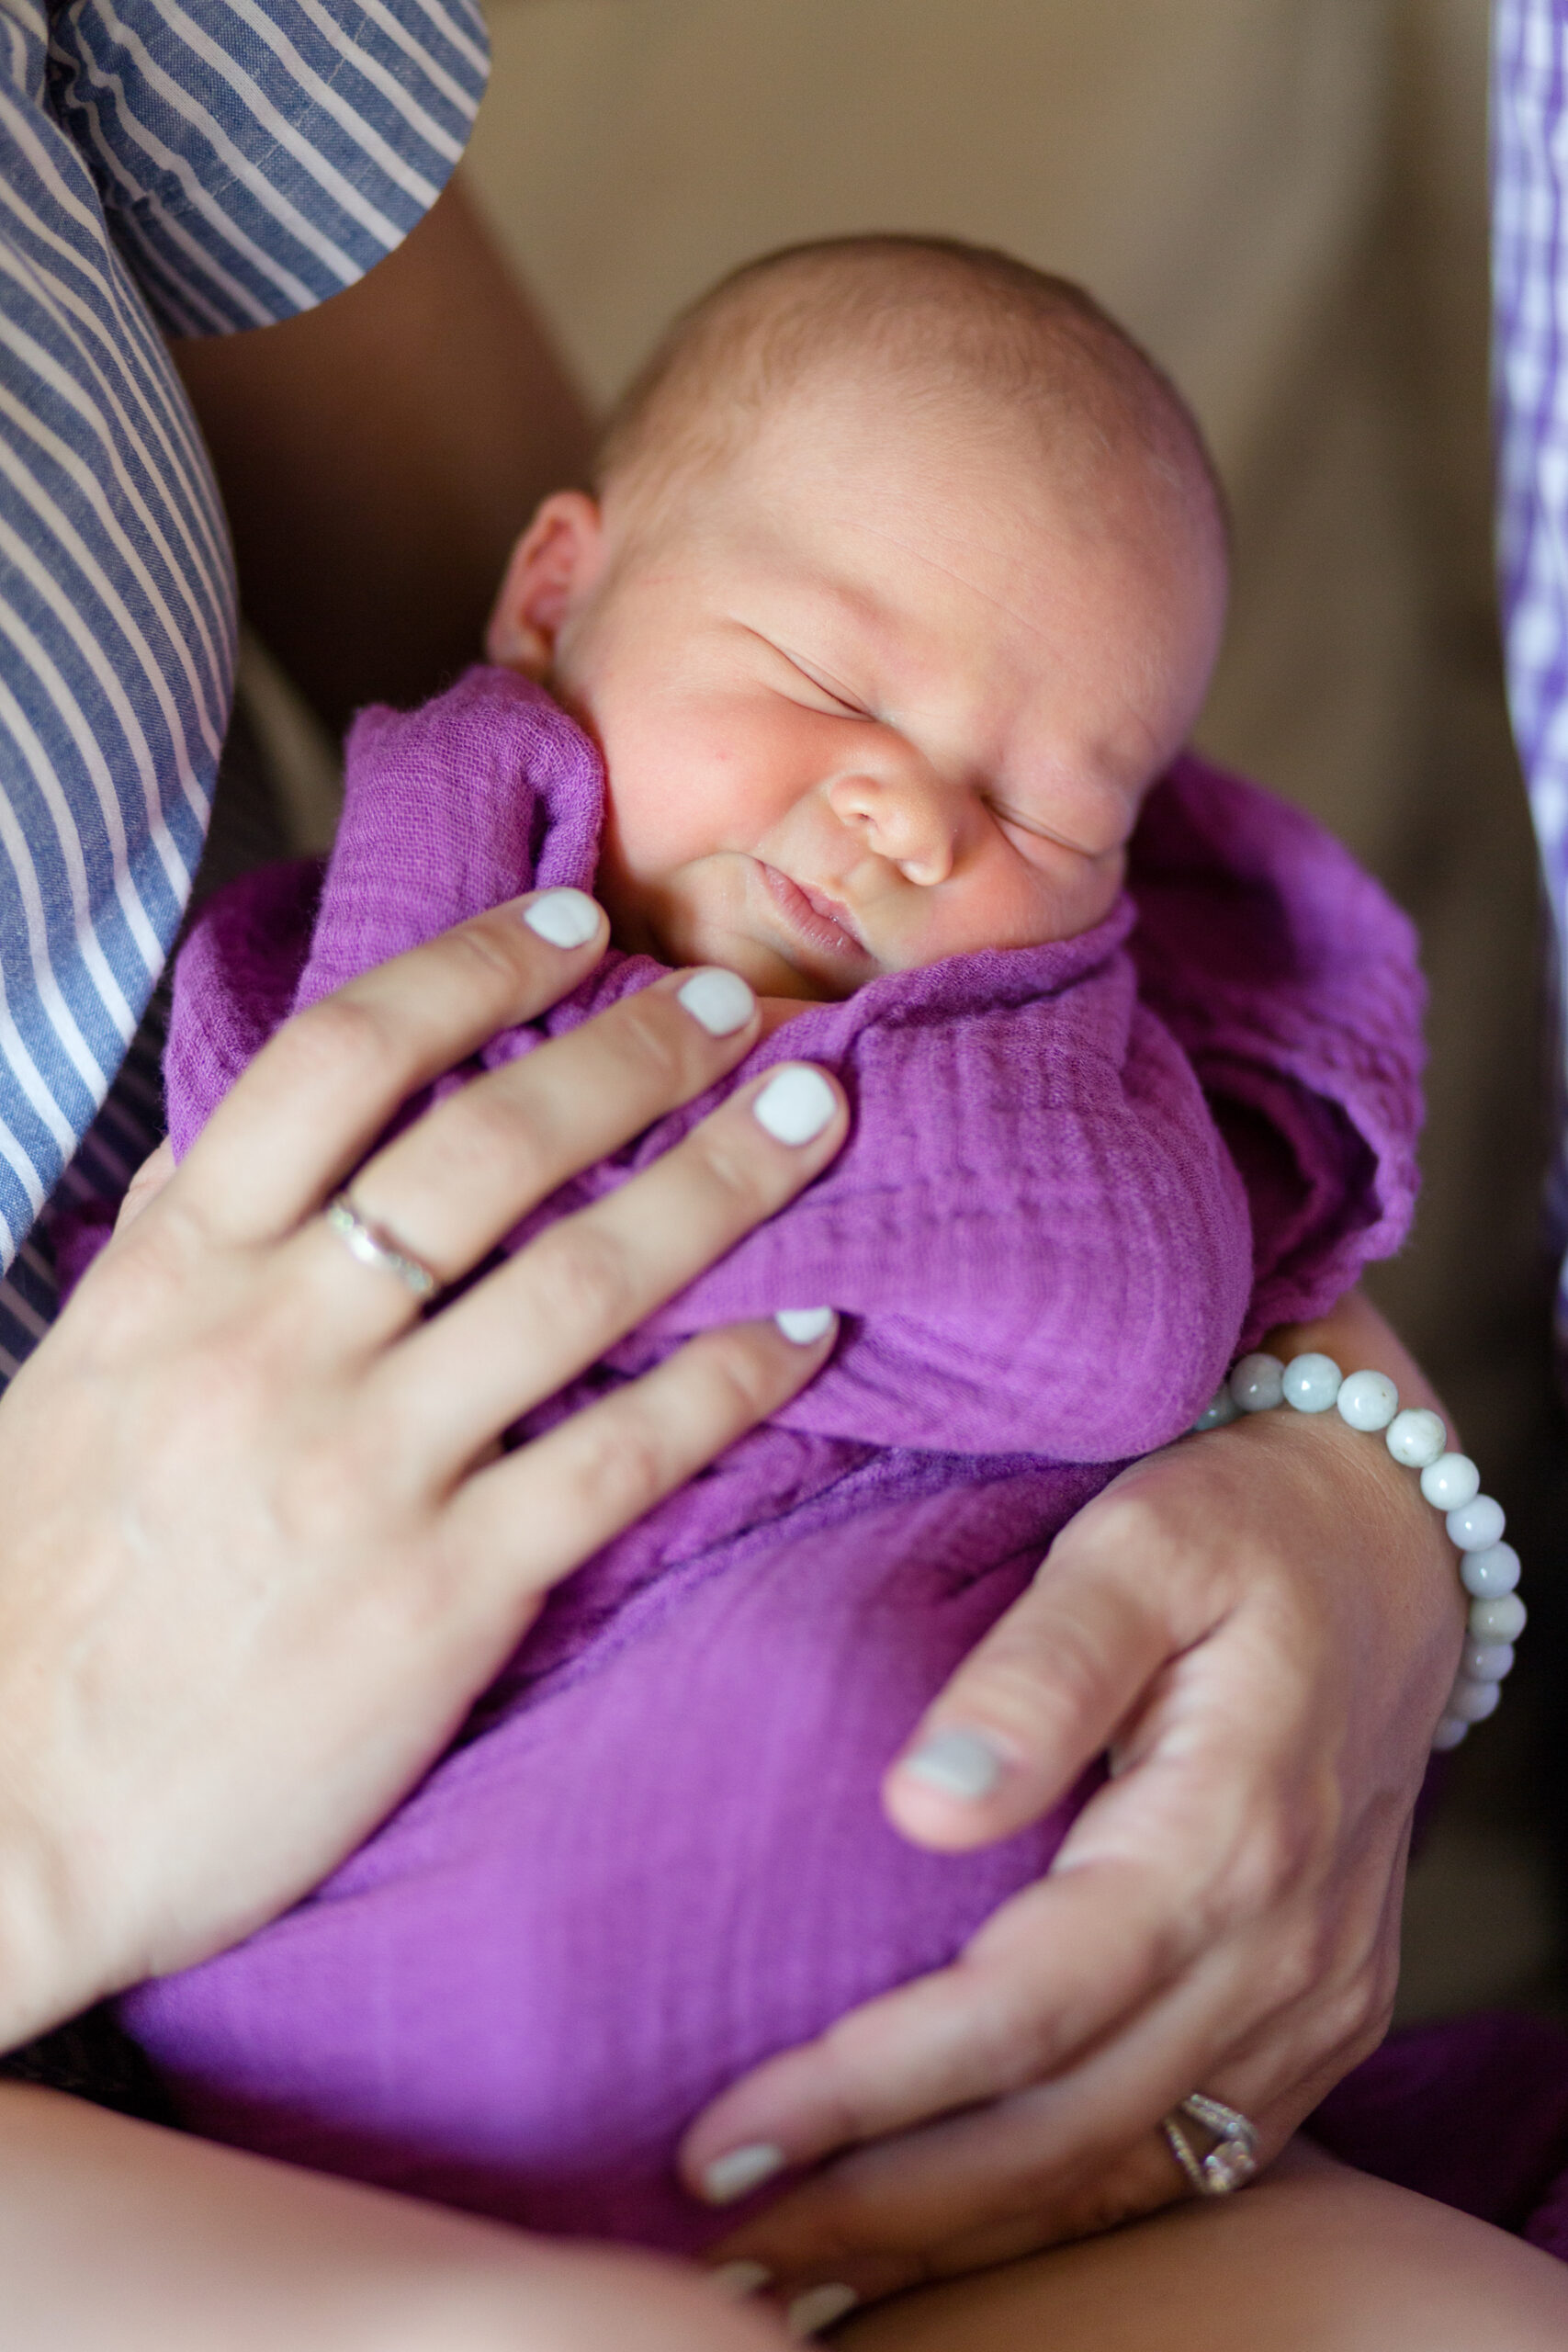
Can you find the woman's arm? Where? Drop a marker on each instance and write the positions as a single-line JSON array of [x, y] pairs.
[[1264, 1623], [257, 1552]]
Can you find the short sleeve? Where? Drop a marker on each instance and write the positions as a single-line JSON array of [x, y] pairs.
[[196, 165], [1529, 323], [254, 156]]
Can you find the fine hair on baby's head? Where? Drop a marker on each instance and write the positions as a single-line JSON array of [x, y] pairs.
[[902, 579], [934, 321]]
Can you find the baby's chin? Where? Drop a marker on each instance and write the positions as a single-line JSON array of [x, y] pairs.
[[767, 971], [682, 936]]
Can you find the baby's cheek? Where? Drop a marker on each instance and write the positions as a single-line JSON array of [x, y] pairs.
[[1019, 904]]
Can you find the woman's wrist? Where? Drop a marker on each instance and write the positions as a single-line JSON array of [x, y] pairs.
[[1350, 1359], [1357, 1335]]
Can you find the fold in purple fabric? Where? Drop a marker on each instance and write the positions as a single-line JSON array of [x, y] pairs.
[[656, 1852]]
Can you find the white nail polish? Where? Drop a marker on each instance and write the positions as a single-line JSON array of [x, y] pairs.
[[795, 1104], [818, 2308], [718, 1000], [735, 2281], [804, 1324], [565, 918], [741, 2170], [963, 1764]]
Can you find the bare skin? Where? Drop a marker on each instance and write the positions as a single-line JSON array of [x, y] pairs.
[[1313, 2258], [115, 2237]]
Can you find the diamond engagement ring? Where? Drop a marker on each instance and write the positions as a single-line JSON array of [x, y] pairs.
[[1231, 2162], [373, 1246]]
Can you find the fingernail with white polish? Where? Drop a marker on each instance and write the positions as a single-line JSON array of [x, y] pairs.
[[818, 2308], [795, 1104], [718, 1000], [735, 2281], [741, 2170], [804, 1324], [963, 1764], [565, 918]]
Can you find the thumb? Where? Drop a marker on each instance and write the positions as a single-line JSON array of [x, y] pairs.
[[1044, 1693]]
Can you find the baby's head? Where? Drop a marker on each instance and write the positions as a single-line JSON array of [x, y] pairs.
[[903, 579]]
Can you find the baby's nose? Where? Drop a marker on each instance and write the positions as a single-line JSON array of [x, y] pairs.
[[909, 820]]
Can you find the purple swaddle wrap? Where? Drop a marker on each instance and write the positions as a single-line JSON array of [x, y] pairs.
[[656, 1852]]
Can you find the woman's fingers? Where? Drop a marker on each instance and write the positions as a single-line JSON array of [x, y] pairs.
[[1068, 1961], [1222, 1915], [240, 1466], [535, 1514], [1182, 1857], [323, 1088], [455, 1183], [1120, 1914], [1074, 2151], [1044, 1693], [1060, 2159], [554, 1308]]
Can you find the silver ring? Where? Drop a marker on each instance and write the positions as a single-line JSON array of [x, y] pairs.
[[1231, 2163], [373, 1246]]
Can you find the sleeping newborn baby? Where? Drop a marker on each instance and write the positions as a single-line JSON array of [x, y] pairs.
[[897, 595]]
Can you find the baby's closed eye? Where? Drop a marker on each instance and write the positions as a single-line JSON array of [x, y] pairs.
[[1030, 832], [802, 669]]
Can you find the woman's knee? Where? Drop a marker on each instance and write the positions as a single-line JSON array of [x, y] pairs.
[[1315, 2258]]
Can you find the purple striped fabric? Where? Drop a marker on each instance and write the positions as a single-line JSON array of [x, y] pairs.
[[1529, 257]]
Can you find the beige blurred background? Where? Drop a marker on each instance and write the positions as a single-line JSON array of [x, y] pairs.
[[1285, 199]]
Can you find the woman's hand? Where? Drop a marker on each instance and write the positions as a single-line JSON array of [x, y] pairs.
[[258, 1548], [1261, 1625]]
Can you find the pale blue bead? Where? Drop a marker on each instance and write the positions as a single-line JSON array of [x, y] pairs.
[[1473, 1702], [1497, 1621], [1311, 1383], [1490, 1574], [1258, 1383], [1478, 1526], [1368, 1400], [1221, 1409], [1416, 1437], [1450, 1482], [1487, 1661], [1449, 1733]]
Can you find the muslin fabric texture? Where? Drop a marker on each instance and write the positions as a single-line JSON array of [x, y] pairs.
[[656, 1852]]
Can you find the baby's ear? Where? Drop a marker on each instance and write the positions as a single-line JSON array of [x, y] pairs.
[[551, 569]]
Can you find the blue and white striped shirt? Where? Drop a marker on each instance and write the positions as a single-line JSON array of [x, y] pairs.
[[1530, 346], [192, 166]]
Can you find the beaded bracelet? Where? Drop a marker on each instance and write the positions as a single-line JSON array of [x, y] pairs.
[[1489, 1568]]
